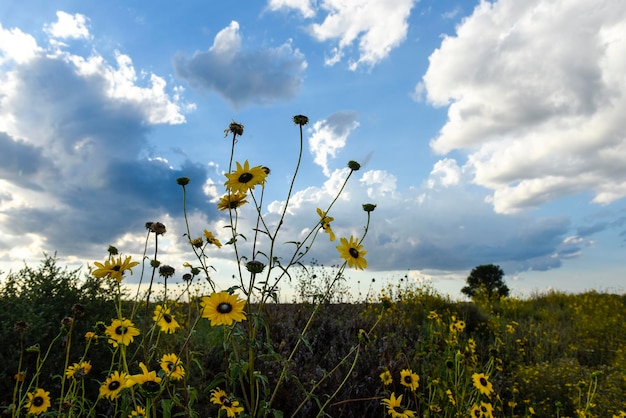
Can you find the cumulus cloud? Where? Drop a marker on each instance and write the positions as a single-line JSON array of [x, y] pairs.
[[68, 26], [535, 93], [240, 76], [377, 27], [328, 136], [304, 7], [445, 172], [72, 134]]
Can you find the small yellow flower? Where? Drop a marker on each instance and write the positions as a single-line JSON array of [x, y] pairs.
[[482, 383], [78, 370], [395, 408], [409, 379], [138, 412], [245, 178], [232, 408], [211, 239], [165, 320], [325, 223], [89, 335], [172, 366], [222, 308], [232, 201], [113, 385], [353, 253], [38, 402], [386, 378], [149, 381], [121, 331], [114, 268]]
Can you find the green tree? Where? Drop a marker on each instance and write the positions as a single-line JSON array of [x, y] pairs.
[[487, 280]]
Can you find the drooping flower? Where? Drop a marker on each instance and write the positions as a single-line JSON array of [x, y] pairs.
[[386, 378], [232, 201], [172, 366], [395, 408], [232, 408], [482, 383], [121, 331], [114, 268], [211, 239], [113, 385], [165, 320], [353, 253], [325, 223], [409, 379], [148, 381], [38, 402], [245, 178], [222, 308], [78, 370]]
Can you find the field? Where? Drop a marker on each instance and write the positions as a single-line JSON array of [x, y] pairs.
[[550, 355]]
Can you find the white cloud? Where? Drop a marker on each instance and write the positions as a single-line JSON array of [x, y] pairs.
[[328, 136], [445, 172], [68, 26], [377, 26], [536, 93], [17, 46], [304, 7], [380, 184], [227, 42]]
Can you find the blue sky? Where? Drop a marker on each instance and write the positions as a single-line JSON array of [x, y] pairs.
[[489, 132]]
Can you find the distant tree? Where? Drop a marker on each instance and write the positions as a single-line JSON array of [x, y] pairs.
[[486, 279]]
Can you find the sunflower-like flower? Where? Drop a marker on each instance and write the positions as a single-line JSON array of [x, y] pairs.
[[457, 326], [395, 408], [486, 410], [113, 385], [121, 331], [325, 223], [386, 378], [475, 412], [232, 201], [409, 379], [165, 320], [114, 268], [138, 412], [172, 366], [245, 178], [222, 308], [210, 238], [232, 408], [148, 381], [38, 402], [78, 370], [482, 383], [353, 253]]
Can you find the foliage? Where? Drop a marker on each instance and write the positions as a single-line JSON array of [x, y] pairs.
[[486, 281]]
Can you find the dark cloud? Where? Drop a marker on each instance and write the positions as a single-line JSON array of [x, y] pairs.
[[243, 77], [20, 162]]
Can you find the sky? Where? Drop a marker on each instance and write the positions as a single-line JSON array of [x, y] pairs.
[[488, 132]]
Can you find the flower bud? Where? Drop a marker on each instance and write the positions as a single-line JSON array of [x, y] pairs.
[[255, 266], [353, 165], [300, 120], [369, 207], [183, 181]]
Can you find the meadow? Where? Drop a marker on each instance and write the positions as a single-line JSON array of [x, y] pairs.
[[549, 355], [82, 344]]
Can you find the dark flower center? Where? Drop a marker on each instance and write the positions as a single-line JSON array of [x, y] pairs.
[[150, 386], [171, 367], [167, 318], [354, 253], [38, 401], [114, 385], [398, 409], [226, 402], [116, 268], [483, 381], [245, 177], [121, 330], [408, 380], [224, 308], [477, 413], [483, 408]]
